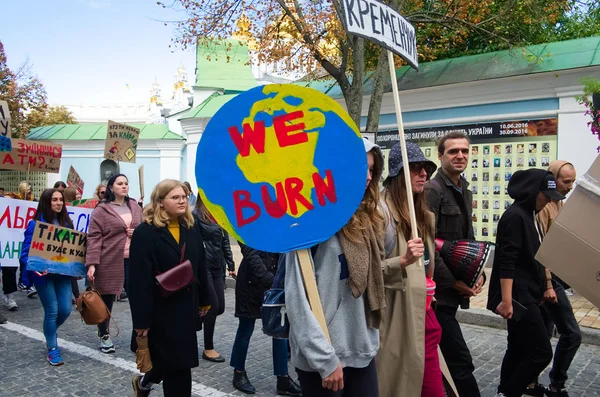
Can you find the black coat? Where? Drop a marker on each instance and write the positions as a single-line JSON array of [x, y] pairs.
[[172, 320], [217, 247], [255, 276]]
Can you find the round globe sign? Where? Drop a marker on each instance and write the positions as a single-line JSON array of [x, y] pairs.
[[281, 167]]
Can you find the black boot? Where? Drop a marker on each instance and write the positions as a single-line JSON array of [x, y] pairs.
[[287, 387], [242, 383]]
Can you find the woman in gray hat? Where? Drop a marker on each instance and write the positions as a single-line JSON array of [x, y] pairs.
[[407, 362]]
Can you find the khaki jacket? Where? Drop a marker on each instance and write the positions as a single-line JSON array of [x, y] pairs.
[[401, 358]]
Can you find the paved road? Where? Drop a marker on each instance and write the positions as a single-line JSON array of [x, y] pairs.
[[87, 372]]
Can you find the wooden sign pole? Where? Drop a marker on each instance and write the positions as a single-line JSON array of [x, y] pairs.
[[310, 285], [27, 174], [409, 192]]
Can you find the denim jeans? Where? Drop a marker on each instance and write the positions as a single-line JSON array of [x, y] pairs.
[[54, 291], [242, 341], [561, 314]]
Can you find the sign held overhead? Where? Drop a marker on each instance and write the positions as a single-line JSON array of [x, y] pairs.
[[5, 129], [381, 24]]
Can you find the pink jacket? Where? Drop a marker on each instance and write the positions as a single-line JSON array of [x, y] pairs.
[[107, 234]]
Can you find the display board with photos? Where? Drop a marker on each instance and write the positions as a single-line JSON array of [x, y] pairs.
[[493, 159]]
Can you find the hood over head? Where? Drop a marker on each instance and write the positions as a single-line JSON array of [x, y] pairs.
[[556, 166], [525, 185]]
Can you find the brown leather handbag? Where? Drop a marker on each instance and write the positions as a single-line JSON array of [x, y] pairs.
[[92, 308], [176, 278]]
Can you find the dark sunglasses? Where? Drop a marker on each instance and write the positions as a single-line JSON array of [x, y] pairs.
[[416, 168]]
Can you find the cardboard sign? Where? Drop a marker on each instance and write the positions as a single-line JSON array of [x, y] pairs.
[[281, 167], [57, 250], [5, 127], [74, 180], [86, 203], [31, 155], [381, 24], [576, 227], [141, 177], [14, 217], [121, 142]]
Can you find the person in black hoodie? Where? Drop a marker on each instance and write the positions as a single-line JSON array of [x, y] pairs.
[[218, 258], [255, 276], [518, 280]]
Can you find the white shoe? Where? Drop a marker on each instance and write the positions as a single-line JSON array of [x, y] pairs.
[[106, 344], [9, 302]]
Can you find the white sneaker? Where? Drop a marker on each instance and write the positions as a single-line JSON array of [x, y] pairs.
[[106, 344], [9, 302]]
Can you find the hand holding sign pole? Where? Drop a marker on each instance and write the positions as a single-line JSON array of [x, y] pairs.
[[382, 24], [291, 172]]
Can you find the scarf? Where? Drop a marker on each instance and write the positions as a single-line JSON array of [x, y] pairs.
[[364, 265]]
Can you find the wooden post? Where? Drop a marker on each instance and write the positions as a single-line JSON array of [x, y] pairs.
[[310, 285], [409, 193]]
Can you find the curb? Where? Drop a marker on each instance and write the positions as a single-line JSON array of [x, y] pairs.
[[485, 318]]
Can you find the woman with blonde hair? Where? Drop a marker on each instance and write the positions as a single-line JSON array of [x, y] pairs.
[[408, 363], [169, 235], [350, 284]]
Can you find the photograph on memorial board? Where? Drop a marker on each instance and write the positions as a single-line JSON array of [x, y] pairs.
[[508, 149], [508, 163], [474, 163], [497, 162], [497, 189], [494, 232], [496, 218], [497, 149], [474, 204], [507, 204], [519, 161], [520, 148], [545, 147], [545, 162], [485, 204], [427, 152], [474, 218], [474, 189], [507, 176], [506, 189], [532, 162], [474, 177], [486, 150], [486, 176], [474, 150], [496, 177], [485, 190], [474, 232], [486, 163], [496, 204], [532, 148], [484, 232]]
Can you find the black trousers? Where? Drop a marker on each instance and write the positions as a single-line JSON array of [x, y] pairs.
[[217, 306], [456, 352], [103, 327], [177, 383], [561, 315], [9, 279], [528, 352], [358, 382]]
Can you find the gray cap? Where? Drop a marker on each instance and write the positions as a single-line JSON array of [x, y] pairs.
[[415, 155]]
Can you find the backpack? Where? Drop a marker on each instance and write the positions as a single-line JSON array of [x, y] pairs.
[[273, 314]]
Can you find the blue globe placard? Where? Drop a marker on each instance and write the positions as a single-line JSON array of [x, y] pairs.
[[281, 167]]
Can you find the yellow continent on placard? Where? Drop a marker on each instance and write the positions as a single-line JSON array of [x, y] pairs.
[[279, 163]]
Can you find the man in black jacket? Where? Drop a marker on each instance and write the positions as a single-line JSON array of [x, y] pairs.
[[518, 282], [449, 198]]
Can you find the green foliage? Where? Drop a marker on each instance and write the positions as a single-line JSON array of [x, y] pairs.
[[50, 115], [591, 86]]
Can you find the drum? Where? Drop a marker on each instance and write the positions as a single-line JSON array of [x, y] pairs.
[[467, 259]]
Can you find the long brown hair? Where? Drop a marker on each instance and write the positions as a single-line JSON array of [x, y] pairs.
[[395, 188], [202, 212], [44, 210], [367, 211]]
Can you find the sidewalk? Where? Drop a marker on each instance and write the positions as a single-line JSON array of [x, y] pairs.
[[587, 315]]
